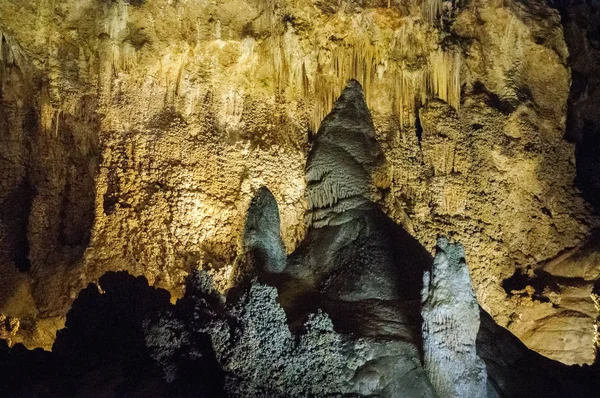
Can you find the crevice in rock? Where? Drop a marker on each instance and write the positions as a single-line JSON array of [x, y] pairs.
[[523, 284], [15, 214], [418, 127]]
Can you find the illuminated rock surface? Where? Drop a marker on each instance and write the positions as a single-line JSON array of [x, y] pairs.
[[450, 326], [123, 337], [134, 135]]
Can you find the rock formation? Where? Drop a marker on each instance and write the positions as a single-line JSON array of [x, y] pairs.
[[134, 135], [349, 325], [260, 357], [354, 262], [450, 326]]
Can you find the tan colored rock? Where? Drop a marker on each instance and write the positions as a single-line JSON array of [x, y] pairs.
[[582, 261]]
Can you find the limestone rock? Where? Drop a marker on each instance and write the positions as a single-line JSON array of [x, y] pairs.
[[450, 325], [260, 357]]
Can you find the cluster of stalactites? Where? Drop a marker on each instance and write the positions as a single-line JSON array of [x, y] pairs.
[[372, 64], [432, 9], [122, 53]]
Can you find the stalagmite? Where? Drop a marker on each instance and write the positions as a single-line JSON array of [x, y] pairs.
[[450, 324], [262, 238]]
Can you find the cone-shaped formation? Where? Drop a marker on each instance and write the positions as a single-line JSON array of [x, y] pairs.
[[353, 251], [344, 156], [262, 238]]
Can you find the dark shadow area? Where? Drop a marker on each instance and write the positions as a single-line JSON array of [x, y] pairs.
[[581, 25], [587, 154], [77, 199], [418, 127], [519, 281], [15, 205], [100, 352], [492, 99], [516, 371], [14, 213]]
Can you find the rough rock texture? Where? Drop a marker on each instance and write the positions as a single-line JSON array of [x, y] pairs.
[[498, 176], [260, 357], [134, 135], [515, 371], [353, 254], [122, 332], [450, 325]]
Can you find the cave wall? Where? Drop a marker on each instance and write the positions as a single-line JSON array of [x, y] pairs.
[[137, 133], [581, 21]]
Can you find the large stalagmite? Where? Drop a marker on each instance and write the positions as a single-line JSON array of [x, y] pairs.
[[355, 263], [450, 325]]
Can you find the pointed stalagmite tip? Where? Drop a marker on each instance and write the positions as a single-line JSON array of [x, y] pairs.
[[353, 84], [352, 91], [349, 112]]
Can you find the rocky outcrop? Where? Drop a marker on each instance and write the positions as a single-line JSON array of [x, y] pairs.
[[260, 357], [514, 370], [352, 253]]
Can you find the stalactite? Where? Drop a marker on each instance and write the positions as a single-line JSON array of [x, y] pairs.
[[417, 72], [10, 53], [47, 115], [443, 79], [123, 55], [5, 53], [116, 21], [353, 60], [432, 9], [128, 56], [409, 94]]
